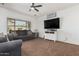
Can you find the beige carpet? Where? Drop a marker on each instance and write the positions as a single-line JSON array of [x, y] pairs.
[[40, 47]]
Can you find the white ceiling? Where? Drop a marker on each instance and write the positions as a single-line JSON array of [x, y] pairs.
[[45, 9]]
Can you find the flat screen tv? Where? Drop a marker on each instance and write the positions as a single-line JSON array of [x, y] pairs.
[[52, 23]]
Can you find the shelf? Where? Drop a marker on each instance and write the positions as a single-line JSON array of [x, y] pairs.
[[49, 32]]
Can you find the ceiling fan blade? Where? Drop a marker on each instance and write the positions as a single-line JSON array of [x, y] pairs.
[[38, 6], [36, 9]]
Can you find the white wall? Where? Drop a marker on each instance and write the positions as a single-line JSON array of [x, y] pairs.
[[69, 19], [40, 26], [4, 13], [70, 25]]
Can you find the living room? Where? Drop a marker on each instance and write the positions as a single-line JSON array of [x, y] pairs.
[[30, 36]]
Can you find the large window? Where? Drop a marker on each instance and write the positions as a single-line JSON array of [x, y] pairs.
[[20, 25], [14, 24]]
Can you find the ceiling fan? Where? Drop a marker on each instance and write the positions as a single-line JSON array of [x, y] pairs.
[[33, 6]]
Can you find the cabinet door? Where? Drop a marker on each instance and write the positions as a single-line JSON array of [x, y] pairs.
[[50, 36], [47, 36]]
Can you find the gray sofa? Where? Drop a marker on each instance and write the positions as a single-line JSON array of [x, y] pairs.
[[11, 48], [21, 34]]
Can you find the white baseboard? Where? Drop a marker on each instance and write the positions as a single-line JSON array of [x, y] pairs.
[[70, 42], [67, 41]]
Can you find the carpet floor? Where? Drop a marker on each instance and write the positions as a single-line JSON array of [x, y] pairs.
[[40, 47]]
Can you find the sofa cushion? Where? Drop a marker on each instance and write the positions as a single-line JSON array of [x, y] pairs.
[[2, 35], [3, 39], [21, 32], [14, 34], [10, 36]]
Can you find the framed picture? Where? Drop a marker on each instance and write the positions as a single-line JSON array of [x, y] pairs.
[[51, 15]]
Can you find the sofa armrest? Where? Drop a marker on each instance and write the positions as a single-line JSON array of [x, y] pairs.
[[35, 34], [11, 47]]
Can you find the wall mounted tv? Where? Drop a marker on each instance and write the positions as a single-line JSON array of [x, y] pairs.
[[52, 23]]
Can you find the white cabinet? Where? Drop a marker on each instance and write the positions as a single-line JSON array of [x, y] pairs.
[[51, 36]]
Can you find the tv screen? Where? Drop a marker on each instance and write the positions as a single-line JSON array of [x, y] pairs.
[[52, 23]]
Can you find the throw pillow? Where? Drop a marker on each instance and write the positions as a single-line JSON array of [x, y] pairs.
[[14, 34], [10, 36], [2, 38], [2, 35]]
